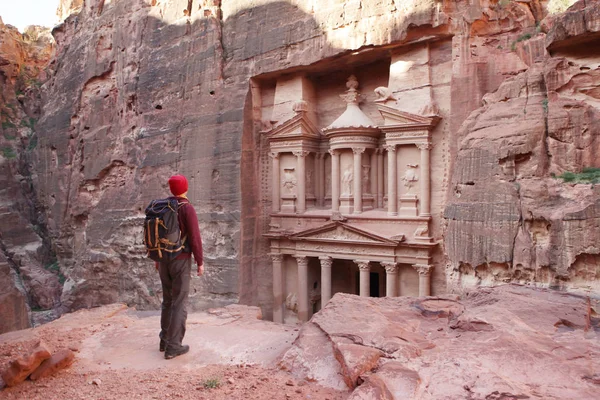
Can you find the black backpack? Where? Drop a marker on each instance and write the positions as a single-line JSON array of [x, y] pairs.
[[162, 235]]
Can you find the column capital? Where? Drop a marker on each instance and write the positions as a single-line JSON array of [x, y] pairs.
[[276, 257], [423, 269], [326, 261], [358, 150], [300, 153], [274, 154], [390, 148], [379, 150], [333, 152], [424, 146], [363, 265], [302, 260], [390, 267]]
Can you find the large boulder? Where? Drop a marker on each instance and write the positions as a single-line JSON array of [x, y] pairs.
[[504, 342]]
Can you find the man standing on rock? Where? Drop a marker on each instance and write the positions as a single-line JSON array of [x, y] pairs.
[[175, 274]]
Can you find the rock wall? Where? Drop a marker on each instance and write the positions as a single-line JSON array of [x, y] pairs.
[[510, 219], [144, 88], [30, 279]]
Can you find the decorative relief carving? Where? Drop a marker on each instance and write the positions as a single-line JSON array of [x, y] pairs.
[[410, 176], [347, 179], [302, 260], [363, 265], [300, 106], [326, 261], [358, 150], [390, 148], [300, 153], [383, 94], [343, 234], [354, 139], [289, 181], [390, 267], [401, 134], [423, 269], [422, 231], [424, 146], [277, 258], [334, 152], [274, 154]]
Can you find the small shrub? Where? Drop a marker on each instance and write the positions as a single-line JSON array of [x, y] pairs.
[[545, 105], [8, 125], [212, 383], [33, 141], [9, 152], [8, 136], [587, 175]]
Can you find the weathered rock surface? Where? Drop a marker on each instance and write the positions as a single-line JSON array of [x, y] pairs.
[[509, 218], [505, 342], [19, 369]]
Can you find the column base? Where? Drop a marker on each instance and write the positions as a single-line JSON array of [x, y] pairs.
[[408, 205], [346, 205], [288, 204]]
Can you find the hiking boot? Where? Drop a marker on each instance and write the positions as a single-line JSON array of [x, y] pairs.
[[172, 351], [162, 346]]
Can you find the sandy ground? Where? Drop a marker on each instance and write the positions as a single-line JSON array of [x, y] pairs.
[[233, 355]]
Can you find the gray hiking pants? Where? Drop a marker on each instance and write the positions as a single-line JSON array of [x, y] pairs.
[[175, 279]]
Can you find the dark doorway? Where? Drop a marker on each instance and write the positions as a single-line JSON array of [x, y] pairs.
[[374, 283]]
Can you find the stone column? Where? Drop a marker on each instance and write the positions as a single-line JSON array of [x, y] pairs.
[[424, 271], [373, 176], [301, 165], [425, 200], [392, 181], [391, 284], [320, 178], [358, 178], [326, 262], [277, 287], [335, 180], [379, 178], [276, 184], [365, 277], [302, 288]]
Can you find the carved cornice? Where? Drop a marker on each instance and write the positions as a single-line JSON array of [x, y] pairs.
[[401, 120]]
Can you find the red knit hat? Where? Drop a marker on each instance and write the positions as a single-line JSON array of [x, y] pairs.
[[178, 185]]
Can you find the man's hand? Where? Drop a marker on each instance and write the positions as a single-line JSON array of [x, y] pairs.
[[200, 269]]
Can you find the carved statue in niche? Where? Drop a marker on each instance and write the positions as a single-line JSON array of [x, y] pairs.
[[383, 94], [289, 180], [410, 176], [366, 179], [291, 302], [347, 180]]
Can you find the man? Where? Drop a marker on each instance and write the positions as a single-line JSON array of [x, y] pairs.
[[175, 274]]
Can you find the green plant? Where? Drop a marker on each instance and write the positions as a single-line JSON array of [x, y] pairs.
[[503, 3], [8, 136], [9, 152], [33, 141], [8, 125], [212, 383], [587, 175], [545, 105]]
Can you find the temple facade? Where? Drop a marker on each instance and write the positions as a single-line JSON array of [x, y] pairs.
[[350, 201]]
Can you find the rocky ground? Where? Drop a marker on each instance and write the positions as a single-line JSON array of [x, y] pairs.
[[507, 342]]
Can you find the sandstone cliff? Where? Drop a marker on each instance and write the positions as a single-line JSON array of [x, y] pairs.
[[29, 275], [141, 89]]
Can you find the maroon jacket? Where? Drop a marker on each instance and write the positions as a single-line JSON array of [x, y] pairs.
[[188, 224]]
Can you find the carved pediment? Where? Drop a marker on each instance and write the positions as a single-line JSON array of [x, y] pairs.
[[297, 127], [402, 119], [340, 232]]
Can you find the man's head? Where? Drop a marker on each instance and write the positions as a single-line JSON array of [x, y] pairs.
[[178, 185]]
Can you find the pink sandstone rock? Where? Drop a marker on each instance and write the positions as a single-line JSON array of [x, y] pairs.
[[535, 343], [59, 360], [19, 369]]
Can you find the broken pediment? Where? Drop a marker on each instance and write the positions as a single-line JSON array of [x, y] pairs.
[[396, 118], [298, 127], [341, 232]]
